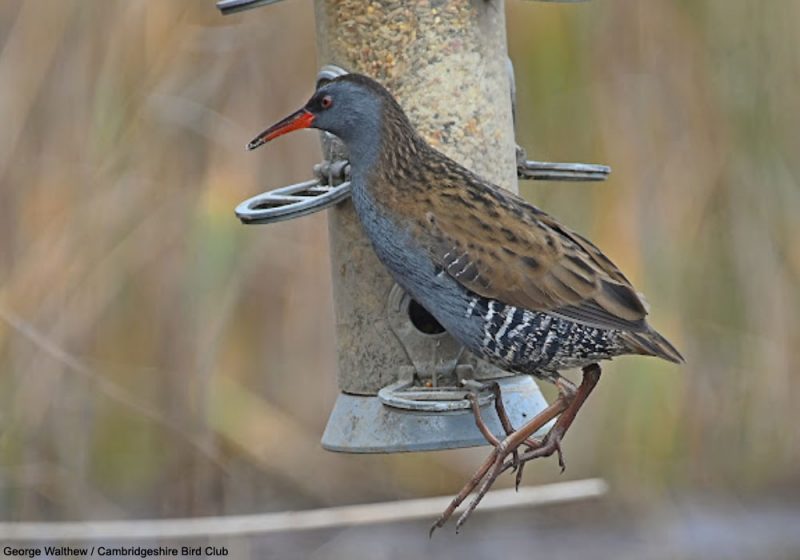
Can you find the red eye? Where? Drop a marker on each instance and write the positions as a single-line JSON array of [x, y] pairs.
[[326, 102]]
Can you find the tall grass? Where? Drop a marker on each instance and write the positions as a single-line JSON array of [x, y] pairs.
[[158, 358]]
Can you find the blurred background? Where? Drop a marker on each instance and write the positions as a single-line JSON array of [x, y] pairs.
[[159, 359]]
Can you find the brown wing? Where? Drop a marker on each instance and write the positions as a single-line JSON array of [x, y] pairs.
[[511, 251]]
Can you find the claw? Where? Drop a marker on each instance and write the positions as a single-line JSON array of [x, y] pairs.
[[561, 462], [518, 478]]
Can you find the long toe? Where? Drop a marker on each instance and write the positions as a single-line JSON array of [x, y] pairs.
[[561, 462]]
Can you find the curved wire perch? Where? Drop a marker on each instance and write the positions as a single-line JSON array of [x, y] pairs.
[[291, 201]]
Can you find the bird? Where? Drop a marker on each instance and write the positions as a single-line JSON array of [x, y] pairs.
[[505, 279]]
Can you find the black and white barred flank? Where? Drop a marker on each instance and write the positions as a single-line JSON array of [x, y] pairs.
[[538, 343]]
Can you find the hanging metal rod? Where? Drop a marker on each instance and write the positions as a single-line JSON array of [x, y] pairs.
[[228, 7]]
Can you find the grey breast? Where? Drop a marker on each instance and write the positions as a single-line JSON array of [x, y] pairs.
[[412, 268]]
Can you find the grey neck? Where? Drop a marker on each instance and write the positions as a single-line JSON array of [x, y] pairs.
[[363, 149]]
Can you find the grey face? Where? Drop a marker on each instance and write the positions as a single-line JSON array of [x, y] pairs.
[[349, 111]]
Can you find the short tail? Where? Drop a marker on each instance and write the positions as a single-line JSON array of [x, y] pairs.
[[650, 343]]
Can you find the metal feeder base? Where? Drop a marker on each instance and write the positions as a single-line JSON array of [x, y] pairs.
[[363, 424]]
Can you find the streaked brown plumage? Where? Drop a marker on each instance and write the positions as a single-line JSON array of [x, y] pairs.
[[506, 279]]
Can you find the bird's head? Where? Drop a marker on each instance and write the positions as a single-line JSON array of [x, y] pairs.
[[351, 107]]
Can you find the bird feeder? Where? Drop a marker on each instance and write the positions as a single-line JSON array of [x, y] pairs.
[[403, 379]]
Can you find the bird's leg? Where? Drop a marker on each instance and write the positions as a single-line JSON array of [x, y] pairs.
[[501, 413], [566, 407], [495, 461], [567, 394], [479, 422], [565, 387], [500, 408], [552, 441], [508, 428], [567, 390]]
